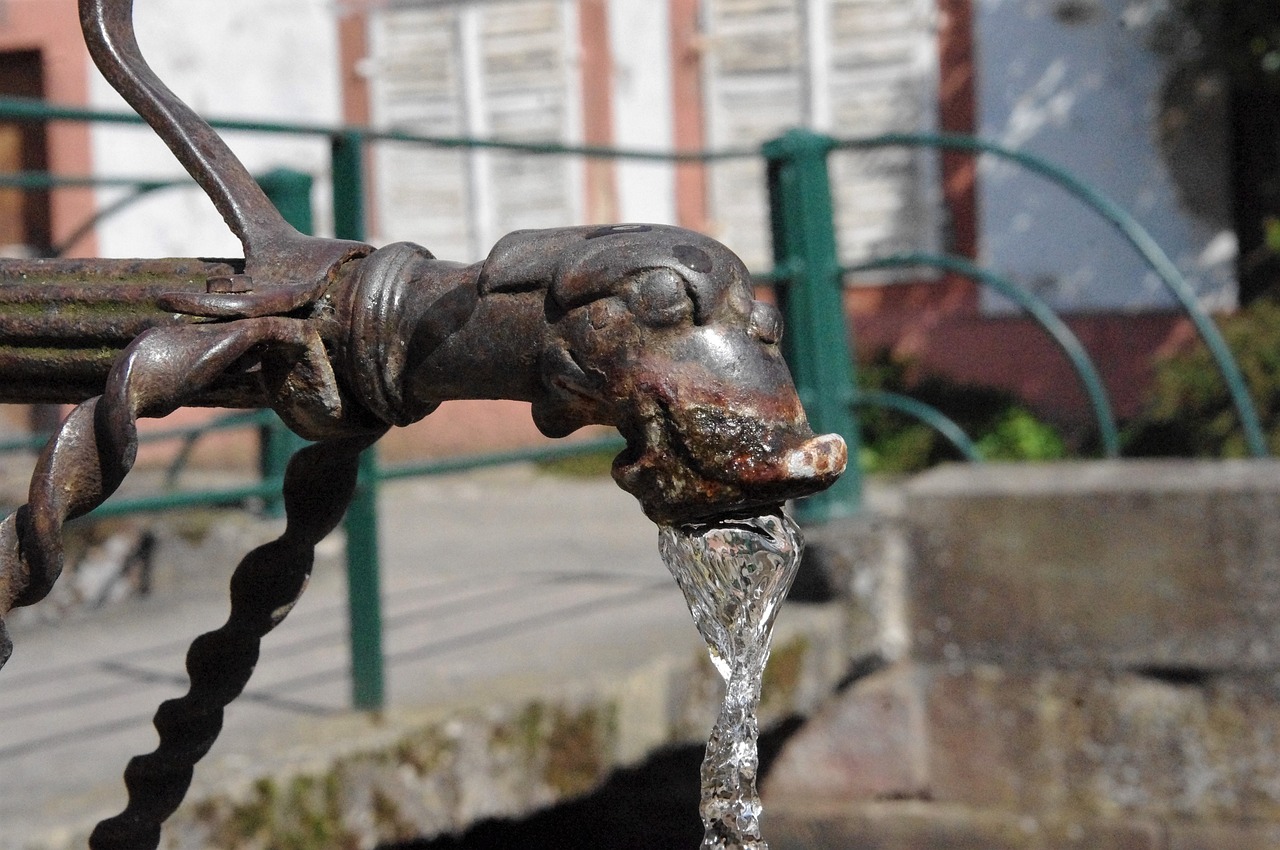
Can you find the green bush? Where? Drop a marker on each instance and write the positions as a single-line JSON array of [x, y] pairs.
[[1189, 412], [1019, 435], [999, 424]]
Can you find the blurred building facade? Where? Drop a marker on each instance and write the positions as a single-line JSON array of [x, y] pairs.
[[1080, 81], [640, 75]]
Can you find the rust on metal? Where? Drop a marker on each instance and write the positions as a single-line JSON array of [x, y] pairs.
[[648, 328], [229, 284], [64, 323]]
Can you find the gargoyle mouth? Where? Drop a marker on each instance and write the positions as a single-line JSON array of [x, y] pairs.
[[703, 463]]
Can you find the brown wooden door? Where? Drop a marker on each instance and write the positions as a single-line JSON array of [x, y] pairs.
[[24, 215]]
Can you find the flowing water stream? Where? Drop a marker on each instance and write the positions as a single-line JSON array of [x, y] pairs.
[[734, 574]]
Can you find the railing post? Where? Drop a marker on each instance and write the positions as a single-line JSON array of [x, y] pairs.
[[361, 524], [816, 342], [290, 191]]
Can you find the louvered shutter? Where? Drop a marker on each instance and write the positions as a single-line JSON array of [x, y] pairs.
[[501, 70], [848, 67]]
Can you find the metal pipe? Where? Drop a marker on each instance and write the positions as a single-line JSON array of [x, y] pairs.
[[63, 323]]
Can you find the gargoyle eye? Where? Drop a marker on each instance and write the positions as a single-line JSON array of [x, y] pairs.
[[657, 298]]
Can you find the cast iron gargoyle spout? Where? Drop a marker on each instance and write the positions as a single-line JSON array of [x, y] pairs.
[[649, 328]]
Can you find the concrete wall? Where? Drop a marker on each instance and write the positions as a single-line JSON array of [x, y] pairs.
[[1071, 656]]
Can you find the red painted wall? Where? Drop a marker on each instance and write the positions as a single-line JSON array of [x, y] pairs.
[[53, 28]]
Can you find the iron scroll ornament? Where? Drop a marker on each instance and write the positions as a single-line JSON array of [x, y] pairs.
[[649, 328]]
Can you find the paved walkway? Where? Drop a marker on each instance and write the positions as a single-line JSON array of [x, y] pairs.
[[491, 577]]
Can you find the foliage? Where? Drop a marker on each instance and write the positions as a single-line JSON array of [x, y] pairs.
[[1235, 45], [1271, 233], [1189, 412], [1019, 435], [1001, 427], [1240, 38]]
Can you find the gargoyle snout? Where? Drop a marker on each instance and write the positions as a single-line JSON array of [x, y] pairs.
[[702, 461], [820, 460]]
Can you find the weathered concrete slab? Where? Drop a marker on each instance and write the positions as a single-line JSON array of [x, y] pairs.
[[1124, 563], [917, 825], [1056, 746], [1089, 658]]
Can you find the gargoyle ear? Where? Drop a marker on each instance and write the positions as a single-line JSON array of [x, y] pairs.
[[605, 258], [528, 259]]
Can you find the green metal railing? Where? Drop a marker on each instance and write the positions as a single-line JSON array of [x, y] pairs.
[[364, 605], [187, 436], [810, 294], [808, 277], [1040, 311], [43, 181], [799, 203], [1129, 228]]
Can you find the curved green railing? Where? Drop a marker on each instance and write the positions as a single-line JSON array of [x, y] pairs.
[[1132, 231], [1038, 309], [38, 180], [1124, 222], [947, 427], [27, 109], [808, 277]]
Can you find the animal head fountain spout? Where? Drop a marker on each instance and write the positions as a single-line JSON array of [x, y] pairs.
[[648, 328], [655, 330]]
